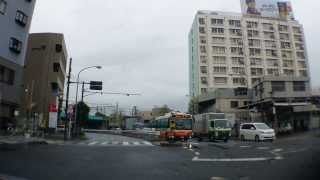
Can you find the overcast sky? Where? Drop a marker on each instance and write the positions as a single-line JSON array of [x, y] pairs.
[[143, 44]]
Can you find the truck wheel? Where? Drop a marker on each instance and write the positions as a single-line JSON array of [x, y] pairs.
[[199, 139], [242, 138], [226, 140]]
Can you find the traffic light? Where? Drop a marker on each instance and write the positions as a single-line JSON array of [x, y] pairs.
[[96, 85]]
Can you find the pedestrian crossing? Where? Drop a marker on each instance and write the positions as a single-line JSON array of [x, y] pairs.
[[111, 143]]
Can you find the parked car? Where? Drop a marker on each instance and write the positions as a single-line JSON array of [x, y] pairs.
[[257, 132]]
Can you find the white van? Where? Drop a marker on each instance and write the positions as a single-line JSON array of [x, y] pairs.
[[257, 132]]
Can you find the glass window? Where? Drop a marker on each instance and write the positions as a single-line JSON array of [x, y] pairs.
[[15, 45], [299, 86], [234, 104], [278, 86], [21, 18]]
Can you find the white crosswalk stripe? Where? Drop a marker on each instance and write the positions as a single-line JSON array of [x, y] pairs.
[[110, 143]]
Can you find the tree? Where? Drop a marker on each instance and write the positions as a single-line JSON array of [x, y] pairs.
[[105, 118], [193, 105], [82, 113]]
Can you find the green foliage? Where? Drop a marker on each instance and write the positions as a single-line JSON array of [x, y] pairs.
[[82, 113]]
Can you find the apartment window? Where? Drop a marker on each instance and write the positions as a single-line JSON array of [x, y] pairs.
[[218, 50], [3, 6], [217, 30], [271, 52], [235, 32], [204, 80], [273, 72], [238, 70], [15, 45], [7, 75], [217, 21], [21, 18], [235, 23], [270, 44], [269, 35], [202, 30], [303, 73], [298, 38], [203, 59], [255, 61], [204, 69], [252, 24], [278, 86], [56, 67], [287, 54], [302, 64], [203, 40], [299, 46], [220, 70], [253, 33], [283, 28], [254, 43], [203, 90], [256, 71], [234, 104], [220, 80], [272, 62], [296, 30], [285, 45], [284, 36], [301, 55], [218, 40], [219, 60], [288, 63], [236, 41], [299, 86], [202, 21], [254, 52], [237, 61], [268, 27], [203, 49], [236, 51], [239, 81], [288, 72], [255, 80]]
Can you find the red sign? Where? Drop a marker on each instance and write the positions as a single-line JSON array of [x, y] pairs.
[[53, 108]]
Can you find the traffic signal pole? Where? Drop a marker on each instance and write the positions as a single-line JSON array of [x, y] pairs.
[[67, 119]]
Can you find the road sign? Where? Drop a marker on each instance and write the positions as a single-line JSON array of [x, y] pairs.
[[96, 85]]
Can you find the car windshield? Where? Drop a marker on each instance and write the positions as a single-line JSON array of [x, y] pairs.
[[221, 124], [262, 126]]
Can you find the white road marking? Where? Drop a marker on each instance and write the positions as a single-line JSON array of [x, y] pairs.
[[115, 142], [245, 146], [104, 143], [263, 148], [147, 143], [233, 159], [136, 143], [277, 150], [125, 143], [191, 150], [197, 153], [217, 178], [93, 143]]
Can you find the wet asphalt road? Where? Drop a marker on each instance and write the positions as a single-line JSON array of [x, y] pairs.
[[291, 158]]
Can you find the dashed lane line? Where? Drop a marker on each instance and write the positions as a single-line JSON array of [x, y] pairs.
[[93, 143], [197, 159]]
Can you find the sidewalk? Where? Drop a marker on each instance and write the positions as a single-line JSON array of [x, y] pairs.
[[21, 140]]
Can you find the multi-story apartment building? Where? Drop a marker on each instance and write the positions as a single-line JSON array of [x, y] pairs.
[[45, 74], [230, 50], [15, 20]]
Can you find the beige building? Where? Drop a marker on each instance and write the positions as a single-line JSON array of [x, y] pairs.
[[45, 73], [229, 50]]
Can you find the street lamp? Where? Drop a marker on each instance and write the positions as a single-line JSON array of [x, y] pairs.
[[76, 108]]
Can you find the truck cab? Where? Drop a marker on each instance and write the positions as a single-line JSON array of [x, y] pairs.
[[219, 129]]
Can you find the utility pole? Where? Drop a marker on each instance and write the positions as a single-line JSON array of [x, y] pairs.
[[82, 94], [67, 120]]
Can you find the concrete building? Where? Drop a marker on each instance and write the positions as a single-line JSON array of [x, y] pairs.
[[15, 20], [230, 50], [45, 74]]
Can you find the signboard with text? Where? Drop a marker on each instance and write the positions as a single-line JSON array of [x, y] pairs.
[[268, 8]]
